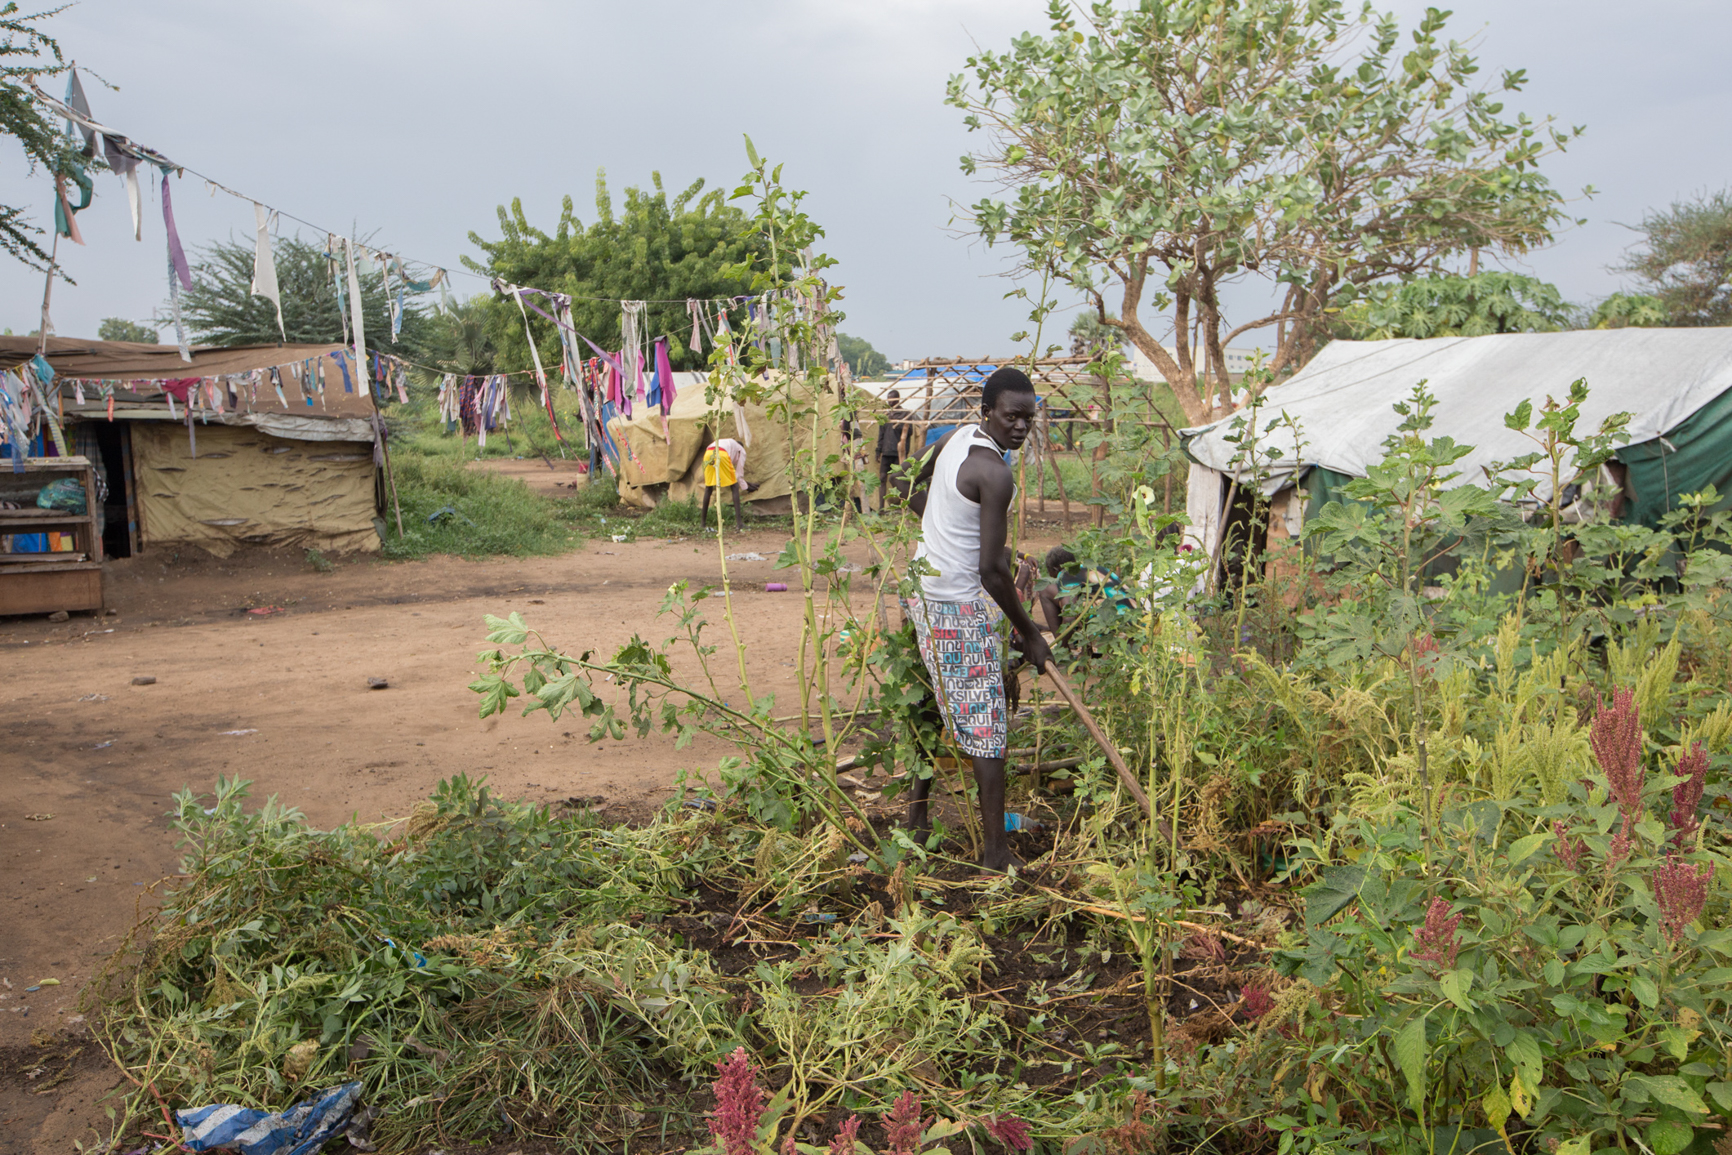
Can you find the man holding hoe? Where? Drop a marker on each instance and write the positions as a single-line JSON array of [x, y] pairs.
[[963, 496]]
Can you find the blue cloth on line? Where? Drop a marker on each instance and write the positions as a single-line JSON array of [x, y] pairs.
[[343, 364], [301, 1130]]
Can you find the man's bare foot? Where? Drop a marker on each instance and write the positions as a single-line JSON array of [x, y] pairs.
[[999, 862]]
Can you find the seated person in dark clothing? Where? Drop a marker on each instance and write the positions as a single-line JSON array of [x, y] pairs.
[[1077, 585]]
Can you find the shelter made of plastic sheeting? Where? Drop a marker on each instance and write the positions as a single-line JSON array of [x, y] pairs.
[[146, 365], [649, 459], [1342, 402], [246, 486]]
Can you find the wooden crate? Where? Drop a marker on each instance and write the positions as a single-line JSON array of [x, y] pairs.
[[46, 582]]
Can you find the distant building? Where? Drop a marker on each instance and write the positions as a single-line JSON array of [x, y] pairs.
[[1239, 362]]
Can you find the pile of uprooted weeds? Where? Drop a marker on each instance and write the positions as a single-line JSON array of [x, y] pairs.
[[492, 972]]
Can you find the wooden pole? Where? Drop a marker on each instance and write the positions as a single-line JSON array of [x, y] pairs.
[[385, 450], [1088, 721], [1221, 538], [1167, 478], [1040, 461], [391, 477], [47, 291], [1063, 495]]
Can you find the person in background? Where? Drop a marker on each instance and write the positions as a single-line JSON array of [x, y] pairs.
[[854, 465], [725, 468], [963, 496], [1077, 585], [892, 433]]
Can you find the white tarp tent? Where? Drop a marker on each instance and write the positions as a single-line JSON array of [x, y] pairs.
[[1343, 400]]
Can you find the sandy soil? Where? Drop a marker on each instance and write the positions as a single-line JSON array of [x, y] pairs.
[[282, 698]]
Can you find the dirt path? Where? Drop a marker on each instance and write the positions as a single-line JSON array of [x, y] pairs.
[[282, 698], [553, 476]]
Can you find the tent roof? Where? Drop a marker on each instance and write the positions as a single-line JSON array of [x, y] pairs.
[[1342, 401], [973, 374], [130, 361]]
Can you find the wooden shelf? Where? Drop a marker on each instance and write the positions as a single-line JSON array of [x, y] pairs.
[[50, 464], [49, 567], [11, 522], [59, 555], [34, 583], [32, 511]]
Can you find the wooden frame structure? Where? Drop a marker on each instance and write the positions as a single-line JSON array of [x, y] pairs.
[[36, 583], [1084, 397]]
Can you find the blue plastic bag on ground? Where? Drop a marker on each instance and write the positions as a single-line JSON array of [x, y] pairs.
[[301, 1130]]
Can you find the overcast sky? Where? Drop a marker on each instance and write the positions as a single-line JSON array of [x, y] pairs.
[[413, 119]]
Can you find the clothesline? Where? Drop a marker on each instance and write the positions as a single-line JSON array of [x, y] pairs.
[[640, 369], [123, 156], [140, 152]]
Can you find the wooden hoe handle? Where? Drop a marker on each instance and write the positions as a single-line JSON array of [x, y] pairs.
[[1112, 752]]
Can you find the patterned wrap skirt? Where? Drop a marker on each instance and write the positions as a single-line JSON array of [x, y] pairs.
[[963, 652]]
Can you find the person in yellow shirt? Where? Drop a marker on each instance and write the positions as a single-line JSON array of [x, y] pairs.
[[725, 468]]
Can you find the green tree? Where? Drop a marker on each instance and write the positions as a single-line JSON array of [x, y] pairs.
[[1629, 310], [26, 51], [221, 309], [1687, 259], [863, 360], [1163, 151], [457, 342], [1089, 335], [120, 329], [1446, 305], [654, 250]]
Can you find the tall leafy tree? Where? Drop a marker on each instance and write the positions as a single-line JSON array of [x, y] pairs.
[[120, 329], [1159, 152], [1687, 259], [1447, 305], [221, 310], [25, 50], [863, 360], [654, 249]]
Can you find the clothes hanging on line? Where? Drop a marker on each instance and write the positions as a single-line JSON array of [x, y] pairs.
[[265, 264]]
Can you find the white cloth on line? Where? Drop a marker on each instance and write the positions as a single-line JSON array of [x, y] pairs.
[[265, 264]]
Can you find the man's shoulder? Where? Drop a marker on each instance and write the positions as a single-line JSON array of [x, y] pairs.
[[985, 466]]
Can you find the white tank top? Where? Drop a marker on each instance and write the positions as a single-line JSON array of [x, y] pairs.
[[950, 528]]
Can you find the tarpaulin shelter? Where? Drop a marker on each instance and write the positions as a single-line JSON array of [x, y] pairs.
[[657, 462], [297, 470], [1677, 384]]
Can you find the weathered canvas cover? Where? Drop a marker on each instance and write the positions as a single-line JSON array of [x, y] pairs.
[[127, 361], [650, 459], [1342, 401], [248, 486]]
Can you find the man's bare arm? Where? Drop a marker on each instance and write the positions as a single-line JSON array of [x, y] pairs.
[[987, 476]]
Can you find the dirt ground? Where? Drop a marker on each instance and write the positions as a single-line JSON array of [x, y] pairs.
[[553, 476], [261, 668]]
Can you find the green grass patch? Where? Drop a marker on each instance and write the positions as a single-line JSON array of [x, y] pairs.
[[448, 508]]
